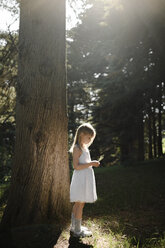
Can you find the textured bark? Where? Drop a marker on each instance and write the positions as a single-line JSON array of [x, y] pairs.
[[40, 177]]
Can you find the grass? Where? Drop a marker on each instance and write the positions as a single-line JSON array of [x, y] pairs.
[[163, 145], [130, 208], [129, 212]]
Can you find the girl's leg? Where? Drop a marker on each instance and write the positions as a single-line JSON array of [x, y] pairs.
[[73, 217], [79, 231], [74, 208], [78, 209]]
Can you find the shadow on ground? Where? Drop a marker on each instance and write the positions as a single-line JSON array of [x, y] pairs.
[[34, 236], [77, 243], [72, 242]]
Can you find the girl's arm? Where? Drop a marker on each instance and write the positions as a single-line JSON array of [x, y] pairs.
[[76, 154]]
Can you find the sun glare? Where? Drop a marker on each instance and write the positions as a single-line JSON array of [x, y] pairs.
[[72, 12], [71, 17]]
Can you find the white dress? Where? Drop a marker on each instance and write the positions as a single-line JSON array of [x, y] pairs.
[[83, 185]]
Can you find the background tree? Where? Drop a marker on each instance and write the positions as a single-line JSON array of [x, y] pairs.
[[119, 58], [8, 72], [8, 81]]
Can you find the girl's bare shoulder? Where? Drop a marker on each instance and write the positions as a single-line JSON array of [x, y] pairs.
[[77, 150]]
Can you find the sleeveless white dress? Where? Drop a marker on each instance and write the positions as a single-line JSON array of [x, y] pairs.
[[83, 184]]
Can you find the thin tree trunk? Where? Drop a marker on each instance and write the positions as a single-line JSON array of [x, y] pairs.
[[150, 131], [141, 138], [124, 149], [154, 128], [39, 189], [160, 152], [71, 112]]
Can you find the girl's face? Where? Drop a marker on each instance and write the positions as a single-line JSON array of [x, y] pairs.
[[86, 139]]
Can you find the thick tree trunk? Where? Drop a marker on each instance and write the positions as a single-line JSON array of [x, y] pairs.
[[40, 177]]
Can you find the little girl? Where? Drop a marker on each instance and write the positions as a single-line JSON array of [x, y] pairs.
[[83, 186]]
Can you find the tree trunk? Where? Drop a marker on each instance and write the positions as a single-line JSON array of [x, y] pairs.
[[39, 189], [154, 127], [150, 155], [140, 137], [124, 149], [160, 152]]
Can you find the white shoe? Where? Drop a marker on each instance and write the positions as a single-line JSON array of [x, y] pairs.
[[82, 234], [83, 228]]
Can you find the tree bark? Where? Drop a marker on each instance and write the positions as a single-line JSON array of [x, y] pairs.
[[154, 127], [39, 189], [124, 148], [160, 152], [150, 155], [140, 138]]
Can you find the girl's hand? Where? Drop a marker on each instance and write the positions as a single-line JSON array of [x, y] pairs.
[[95, 163]]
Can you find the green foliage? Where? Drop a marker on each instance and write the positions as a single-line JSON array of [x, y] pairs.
[[119, 60], [7, 140], [11, 5], [8, 81], [8, 76], [115, 75]]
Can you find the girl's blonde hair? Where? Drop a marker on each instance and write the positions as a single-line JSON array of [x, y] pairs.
[[85, 128]]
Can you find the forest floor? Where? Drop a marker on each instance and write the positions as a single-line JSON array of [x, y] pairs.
[[129, 212]]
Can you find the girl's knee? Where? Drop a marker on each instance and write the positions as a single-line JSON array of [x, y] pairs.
[[80, 204]]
